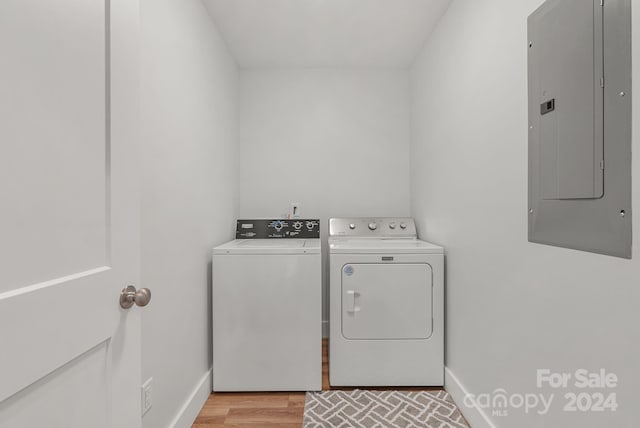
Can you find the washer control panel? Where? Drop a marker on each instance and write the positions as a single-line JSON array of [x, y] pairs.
[[279, 228], [370, 227]]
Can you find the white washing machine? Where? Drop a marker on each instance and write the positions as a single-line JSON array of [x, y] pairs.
[[267, 303], [386, 304]]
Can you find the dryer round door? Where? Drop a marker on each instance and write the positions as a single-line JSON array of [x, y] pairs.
[[387, 301]]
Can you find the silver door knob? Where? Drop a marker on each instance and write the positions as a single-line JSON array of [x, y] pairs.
[[131, 296]]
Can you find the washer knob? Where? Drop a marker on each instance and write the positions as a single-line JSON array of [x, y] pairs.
[[373, 226], [297, 225], [310, 225], [403, 225], [278, 226], [392, 226], [352, 226]]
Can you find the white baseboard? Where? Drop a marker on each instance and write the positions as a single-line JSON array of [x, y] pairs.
[[477, 418], [192, 406], [325, 329]]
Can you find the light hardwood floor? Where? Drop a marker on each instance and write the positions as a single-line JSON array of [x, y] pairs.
[[265, 409]]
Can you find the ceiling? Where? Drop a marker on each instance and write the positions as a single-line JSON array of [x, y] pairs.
[[325, 33]]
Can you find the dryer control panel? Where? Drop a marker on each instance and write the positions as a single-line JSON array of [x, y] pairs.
[[373, 227], [279, 228]]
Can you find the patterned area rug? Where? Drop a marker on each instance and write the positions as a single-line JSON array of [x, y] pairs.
[[381, 409]]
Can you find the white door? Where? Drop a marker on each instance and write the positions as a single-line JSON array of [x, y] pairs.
[[69, 355], [387, 301]]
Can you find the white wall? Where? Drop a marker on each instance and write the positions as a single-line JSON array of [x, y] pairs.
[[337, 141], [512, 306], [189, 114]]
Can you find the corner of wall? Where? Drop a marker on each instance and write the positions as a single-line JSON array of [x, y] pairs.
[[193, 404], [476, 417]]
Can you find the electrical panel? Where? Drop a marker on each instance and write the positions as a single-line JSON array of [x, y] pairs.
[[579, 71]]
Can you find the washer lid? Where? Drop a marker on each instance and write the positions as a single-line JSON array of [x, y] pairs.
[[269, 246], [387, 246]]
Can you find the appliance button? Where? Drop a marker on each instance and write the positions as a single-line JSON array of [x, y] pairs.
[[403, 225], [392, 225], [352, 226], [373, 226], [310, 225], [297, 225], [277, 225]]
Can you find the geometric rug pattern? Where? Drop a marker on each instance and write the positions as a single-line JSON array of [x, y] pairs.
[[381, 409]]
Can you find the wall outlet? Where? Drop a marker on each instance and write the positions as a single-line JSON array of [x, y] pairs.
[[146, 395], [295, 210]]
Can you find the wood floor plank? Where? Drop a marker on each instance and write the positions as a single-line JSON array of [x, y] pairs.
[[212, 408], [297, 400], [264, 415], [212, 413], [249, 400]]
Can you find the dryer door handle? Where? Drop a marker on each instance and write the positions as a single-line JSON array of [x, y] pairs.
[[351, 301]]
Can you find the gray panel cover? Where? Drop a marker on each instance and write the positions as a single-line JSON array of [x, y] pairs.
[[567, 47], [580, 132]]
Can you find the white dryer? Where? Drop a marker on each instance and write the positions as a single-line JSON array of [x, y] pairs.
[[267, 302], [386, 304]]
